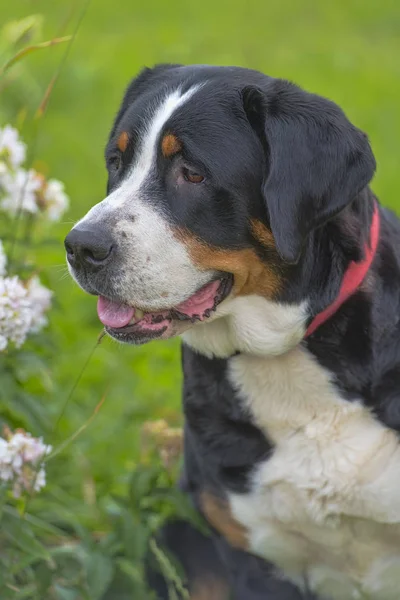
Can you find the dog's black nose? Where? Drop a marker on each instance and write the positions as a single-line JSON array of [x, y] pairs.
[[89, 247]]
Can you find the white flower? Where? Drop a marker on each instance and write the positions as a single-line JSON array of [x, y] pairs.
[[55, 199], [12, 150], [22, 309], [3, 449], [20, 462], [3, 260], [28, 448], [6, 472], [40, 298], [40, 479], [20, 191], [16, 315], [3, 170]]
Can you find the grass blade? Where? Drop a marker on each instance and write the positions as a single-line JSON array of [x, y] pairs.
[[29, 49]]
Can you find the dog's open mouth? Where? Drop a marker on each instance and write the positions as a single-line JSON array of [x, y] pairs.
[[132, 325]]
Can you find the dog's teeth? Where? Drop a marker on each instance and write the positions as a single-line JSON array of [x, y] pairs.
[[139, 314]]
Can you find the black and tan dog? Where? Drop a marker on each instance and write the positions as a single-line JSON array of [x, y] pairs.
[[239, 217]]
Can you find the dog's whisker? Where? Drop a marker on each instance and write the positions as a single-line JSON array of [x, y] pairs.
[[63, 277]]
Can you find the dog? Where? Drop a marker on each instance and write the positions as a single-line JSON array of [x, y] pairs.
[[239, 217]]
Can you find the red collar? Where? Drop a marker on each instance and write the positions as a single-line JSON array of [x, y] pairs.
[[353, 277]]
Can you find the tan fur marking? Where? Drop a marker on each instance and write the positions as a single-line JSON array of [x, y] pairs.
[[262, 234], [251, 274], [218, 514], [123, 141], [210, 589], [170, 145]]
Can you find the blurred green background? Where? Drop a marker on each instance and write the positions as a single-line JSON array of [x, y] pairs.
[[347, 50]]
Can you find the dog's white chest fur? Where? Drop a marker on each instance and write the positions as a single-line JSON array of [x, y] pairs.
[[325, 507]]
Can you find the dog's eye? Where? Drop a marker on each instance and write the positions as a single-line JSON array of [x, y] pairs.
[[192, 176], [114, 162]]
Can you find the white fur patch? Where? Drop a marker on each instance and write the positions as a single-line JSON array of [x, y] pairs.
[[146, 158], [129, 192], [325, 507], [250, 324], [158, 272]]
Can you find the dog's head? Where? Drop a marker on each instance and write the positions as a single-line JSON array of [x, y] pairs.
[[217, 178]]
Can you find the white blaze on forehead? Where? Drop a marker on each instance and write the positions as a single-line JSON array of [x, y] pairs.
[[146, 156], [151, 269]]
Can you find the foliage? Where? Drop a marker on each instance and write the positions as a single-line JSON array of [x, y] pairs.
[[110, 481], [47, 548]]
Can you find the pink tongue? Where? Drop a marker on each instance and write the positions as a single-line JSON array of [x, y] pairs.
[[118, 315], [200, 301], [113, 314]]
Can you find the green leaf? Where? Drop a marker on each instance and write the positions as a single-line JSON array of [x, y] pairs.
[[63, 593], [23, 31], [134, 535], [26, 592], [24, 561], [171, 570], [128, 583], [132, 570], [99, 574], [171, 502], [44, 576], [28, 365], [143, 482], [36, 522], [20, 533], [29, 49]]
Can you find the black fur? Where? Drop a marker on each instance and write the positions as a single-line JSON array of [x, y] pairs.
[[207, 560], [276, 153], [317, 161]]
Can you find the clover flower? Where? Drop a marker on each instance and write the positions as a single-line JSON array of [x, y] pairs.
[[21, 461], [29, 192], [16, 315], [12, 149], [22, 309], [26, 191], [23, 304], [167, 440], [40, 299], [55, 200], [20, 191]]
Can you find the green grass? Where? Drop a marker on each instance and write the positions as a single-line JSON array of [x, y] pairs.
[[346, 50]]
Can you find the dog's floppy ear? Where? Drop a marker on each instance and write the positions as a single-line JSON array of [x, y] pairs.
[[316, 160]]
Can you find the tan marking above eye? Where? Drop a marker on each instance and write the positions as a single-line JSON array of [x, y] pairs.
[[251, 274], [170, 145], [123, 140], [218, 514]]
